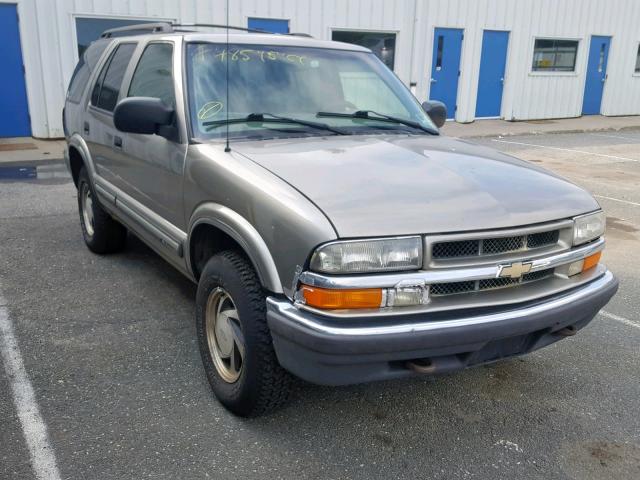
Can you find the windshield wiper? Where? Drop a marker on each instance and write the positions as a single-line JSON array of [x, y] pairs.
[[381, 117], [271, 118]]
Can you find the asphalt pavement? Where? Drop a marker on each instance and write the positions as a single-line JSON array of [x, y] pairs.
[[108, 344]]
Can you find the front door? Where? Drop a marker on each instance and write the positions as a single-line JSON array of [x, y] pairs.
[[153, 165], [596, 75], [493, 62], [14, 111], [445, 67]]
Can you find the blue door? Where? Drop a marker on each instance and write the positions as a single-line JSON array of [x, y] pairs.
[[14, 111], [269, 25], [445, 67], [596, 75], [493, 62]]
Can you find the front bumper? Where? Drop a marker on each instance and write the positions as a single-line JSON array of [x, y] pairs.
[[332, 351]]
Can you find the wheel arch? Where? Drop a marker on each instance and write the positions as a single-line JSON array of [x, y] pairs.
[[214, 227], [79, 156]]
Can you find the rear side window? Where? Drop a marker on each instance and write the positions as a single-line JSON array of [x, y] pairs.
[[83, 70], [154, 74], [107, 87]]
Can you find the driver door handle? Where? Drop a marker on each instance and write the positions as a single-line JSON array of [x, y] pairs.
[[117, 141]]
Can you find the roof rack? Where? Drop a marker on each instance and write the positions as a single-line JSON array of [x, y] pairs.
[[216, 25], [166, 27], [138, 27]]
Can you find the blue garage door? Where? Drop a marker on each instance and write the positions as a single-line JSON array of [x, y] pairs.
[[269, 25], [14, 110], [445, 67], [493, 62]]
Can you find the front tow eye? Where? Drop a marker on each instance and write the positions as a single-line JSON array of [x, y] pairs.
[[568, 331], [423, 366]]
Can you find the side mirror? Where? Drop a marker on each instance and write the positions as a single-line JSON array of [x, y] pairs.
[[437, 111], [144, 115]]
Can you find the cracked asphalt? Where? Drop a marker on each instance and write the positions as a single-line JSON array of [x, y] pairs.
[[109, 346]]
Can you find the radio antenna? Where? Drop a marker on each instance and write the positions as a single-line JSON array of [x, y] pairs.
[[227, 148]]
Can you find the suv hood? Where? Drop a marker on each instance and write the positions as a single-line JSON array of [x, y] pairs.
[[400, 185]]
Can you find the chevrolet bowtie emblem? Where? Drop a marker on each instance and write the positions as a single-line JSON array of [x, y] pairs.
[[515, 270]]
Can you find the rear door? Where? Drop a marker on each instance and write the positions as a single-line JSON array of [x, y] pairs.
[[103, 140]]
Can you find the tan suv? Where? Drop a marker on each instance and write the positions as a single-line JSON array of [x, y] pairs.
[[333, 232]]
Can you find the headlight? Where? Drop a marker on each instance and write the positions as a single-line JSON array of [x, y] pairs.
[[369, 256], [588, 227]]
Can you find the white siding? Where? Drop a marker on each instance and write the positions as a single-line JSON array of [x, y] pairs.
[[49, 45]]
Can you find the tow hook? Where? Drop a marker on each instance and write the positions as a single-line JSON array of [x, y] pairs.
[[421, 366], [568, 331]]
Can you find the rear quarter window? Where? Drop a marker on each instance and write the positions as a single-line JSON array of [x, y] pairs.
[[83, 70]]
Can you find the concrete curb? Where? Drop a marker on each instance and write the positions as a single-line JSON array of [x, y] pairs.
[[31, 163], [550, 132]]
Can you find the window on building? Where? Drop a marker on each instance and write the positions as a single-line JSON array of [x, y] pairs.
[[381, 43], [154, 74], [638, 60], [107, 87], [555, 55], [89, 29], [272, 25]]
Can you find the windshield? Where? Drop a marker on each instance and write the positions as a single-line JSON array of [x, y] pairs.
[[295, 83]]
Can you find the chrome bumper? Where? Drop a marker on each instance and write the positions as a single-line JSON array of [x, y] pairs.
[[338, 351], [287, 309]]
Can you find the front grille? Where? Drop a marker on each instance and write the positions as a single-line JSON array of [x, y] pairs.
[[493, 246], [452, 288], [543, 239], [463, 248]]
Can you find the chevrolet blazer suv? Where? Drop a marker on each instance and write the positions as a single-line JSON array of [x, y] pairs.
[[334, 234]]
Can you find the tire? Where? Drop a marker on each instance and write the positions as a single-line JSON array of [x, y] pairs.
[[260, 384], [101, 232]]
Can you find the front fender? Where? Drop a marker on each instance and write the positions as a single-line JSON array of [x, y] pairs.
[[238, 228]]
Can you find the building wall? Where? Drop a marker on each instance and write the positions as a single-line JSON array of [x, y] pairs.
[[49, 44]]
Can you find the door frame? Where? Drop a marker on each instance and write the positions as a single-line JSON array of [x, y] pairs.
[[506, 71]]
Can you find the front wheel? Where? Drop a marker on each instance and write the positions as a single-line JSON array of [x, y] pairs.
[[234, 339]]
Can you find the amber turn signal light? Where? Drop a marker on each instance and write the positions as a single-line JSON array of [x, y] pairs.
[[325, 299], [591, 261]]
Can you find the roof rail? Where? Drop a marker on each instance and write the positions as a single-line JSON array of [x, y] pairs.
[[233, 27], [216, 25], [163, 27]]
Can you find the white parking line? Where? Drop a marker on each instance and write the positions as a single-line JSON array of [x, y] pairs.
[[43, 459], [613, 157], [618, 200], [620, 319]]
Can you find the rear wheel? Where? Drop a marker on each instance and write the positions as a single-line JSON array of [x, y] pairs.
[[234, 338], [101, 232]]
